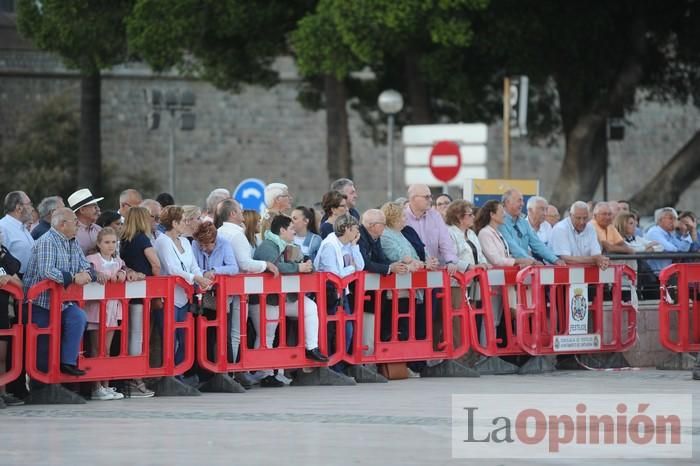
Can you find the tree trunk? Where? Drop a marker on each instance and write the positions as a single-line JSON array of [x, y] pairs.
[[584, 118], [418, 98], [666, 187], [337, 132], [90, 155]]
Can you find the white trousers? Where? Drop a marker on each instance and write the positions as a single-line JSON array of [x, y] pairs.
[[135, 329], [291, 310]]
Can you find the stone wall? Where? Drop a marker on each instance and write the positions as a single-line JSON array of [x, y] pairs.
[[265, 133]]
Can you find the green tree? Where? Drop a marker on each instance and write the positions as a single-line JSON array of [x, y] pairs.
[[90, 36], [42, 160]]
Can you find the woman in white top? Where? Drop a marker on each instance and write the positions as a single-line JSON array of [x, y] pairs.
[[459, 218], [626, 225], [176, 258], [340, 254]]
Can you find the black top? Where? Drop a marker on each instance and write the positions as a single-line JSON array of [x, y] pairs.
[[372, 253], [42, 227], [132, 253], [326, 229], [412, 236]]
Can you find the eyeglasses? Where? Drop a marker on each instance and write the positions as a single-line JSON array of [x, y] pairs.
[[468, 214], [441, 204], [427, 197], [377, 223], [156, 218], [344, 206]]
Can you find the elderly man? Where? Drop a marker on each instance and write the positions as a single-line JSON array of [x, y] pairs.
[[154, 208], [84, 204], [522, 240], [536, 212], [574, 239], [431, 229], [45, 209], [127, 199], [663, 233], [610, 239], [373, 223], [16, 237], [57, 256], [213, 199], [552, 216], [347, 187]]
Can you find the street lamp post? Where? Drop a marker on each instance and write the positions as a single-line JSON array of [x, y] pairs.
[[178, 104], [390, 102]]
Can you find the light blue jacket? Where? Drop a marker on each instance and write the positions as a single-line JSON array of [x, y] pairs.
[[523, 241]]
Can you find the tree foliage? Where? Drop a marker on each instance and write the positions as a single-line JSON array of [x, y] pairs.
[[226, 42], [42, 160]]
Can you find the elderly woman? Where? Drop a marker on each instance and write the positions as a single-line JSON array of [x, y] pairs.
[[459, 217], [214, 256], [395, 246], [278, 201], [176, 258], [192, 218], [334, 204], [340, 254]]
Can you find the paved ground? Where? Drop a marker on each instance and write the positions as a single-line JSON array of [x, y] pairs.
[[403, 422]]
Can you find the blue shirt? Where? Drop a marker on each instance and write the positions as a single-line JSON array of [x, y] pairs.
[[221, 260], [669, 241], [17, 240], [56, 258], [522, 240]]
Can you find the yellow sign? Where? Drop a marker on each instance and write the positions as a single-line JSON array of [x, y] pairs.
[[480, 191]]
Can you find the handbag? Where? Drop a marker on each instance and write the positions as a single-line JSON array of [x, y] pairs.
[[393, 370]]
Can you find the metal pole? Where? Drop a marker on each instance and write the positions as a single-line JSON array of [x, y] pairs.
[[171, 155], [506, 128], [390, 158]]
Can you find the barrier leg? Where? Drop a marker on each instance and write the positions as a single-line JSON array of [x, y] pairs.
[[170, 386], [539, 365], [678, 362], [53, 394], [222, 383], [322, 376], [366, 373], [696, 369], [449, 368], [604, 360], [495, 366]]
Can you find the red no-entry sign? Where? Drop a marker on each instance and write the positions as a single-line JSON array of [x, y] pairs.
[[445, 160]]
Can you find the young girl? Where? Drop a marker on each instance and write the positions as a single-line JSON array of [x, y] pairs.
[[109, 267]]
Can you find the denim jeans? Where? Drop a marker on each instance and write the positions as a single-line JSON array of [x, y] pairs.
[[180, 314], [73, 325]]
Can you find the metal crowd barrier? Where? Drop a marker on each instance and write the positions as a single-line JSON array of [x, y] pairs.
[[14, 336], [679, 313], [561, 310], [103, 366]]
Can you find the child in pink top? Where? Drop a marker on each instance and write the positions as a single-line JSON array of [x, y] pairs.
[[109, 267]]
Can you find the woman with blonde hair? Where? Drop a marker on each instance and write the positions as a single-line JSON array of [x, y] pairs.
[[191, 218], [138, 254]]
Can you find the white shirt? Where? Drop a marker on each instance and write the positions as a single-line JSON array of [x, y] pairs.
[[17, 239], [544, 233], [242, 249], [566, 241], [174, 262]]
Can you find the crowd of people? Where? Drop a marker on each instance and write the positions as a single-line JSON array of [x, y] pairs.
[[78, 242]]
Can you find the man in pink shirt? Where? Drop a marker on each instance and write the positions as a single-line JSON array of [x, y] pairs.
[[431, 228], [84, 204]]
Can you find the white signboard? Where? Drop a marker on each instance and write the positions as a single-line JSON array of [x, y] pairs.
[[418, 141], [578, 309], [568, 343]]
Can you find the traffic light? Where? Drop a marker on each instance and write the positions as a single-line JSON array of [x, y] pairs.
[[518, 105]]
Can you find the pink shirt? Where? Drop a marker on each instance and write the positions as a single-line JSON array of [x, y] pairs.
[[86, 236], [433, 232], [495, 248]]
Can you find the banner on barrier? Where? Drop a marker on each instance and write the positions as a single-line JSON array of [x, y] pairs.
[[564, 343], [578, 309]]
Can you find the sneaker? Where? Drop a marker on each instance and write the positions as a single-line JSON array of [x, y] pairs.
[[283, 378], [102, 394], [139, 390], [10, 400], [115, 394], [412, 375], [434, 362]]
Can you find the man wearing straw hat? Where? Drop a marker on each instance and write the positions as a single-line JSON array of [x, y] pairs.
[[84, 204]]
